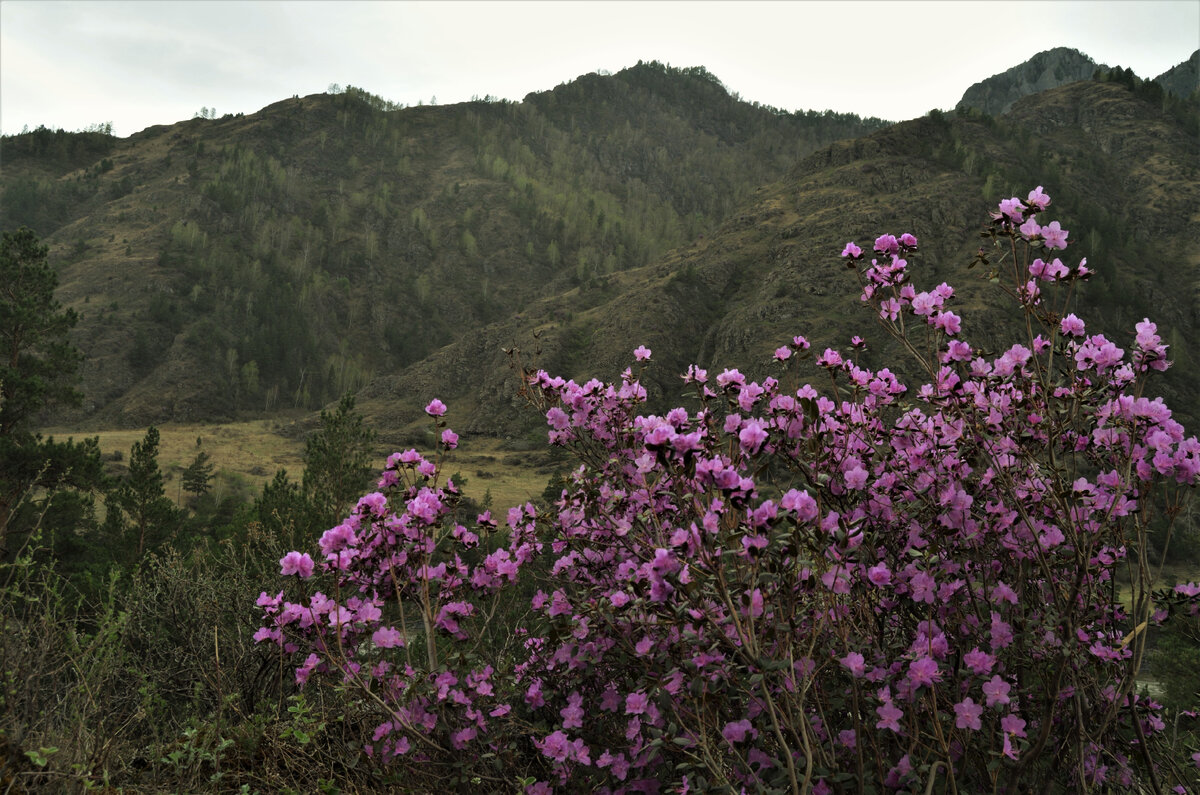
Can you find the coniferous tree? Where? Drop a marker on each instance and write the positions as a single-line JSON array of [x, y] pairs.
[[142, 497], [282, 510], [38, 367], [337, 462], [198, 474]]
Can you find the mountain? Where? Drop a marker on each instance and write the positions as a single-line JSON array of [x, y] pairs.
[[1122, 173], [1046, 70], [277, 260], [1182, 80], [335, 242]]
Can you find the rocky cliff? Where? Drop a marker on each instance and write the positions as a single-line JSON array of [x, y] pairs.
[[1043, 71]]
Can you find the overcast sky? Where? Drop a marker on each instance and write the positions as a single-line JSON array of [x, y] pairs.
[[135, 64]]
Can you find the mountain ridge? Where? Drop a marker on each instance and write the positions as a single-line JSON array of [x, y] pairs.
[[237, 266]]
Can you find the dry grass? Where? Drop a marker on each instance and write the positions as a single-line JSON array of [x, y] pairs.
[[250, 453], [241, 452], [513, 478]]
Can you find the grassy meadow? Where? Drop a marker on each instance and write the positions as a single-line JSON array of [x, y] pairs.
[[246, 455]]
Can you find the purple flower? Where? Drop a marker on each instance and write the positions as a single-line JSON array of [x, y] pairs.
[[879, 575], [1011, 724], [979, 661], [641, 353], [1054, 235], [436, 408], [887, 244], [968, 712], [387, 638], [556, 746], [1012, 209], [752, 436], [889, 717], [572, 714], [923, 671], [1037, 199], [1072, 326], [801, 503], [636, 703], [296, 563], [736, 731], [449, 439], [908, 241], [854, 663], [852, 251], [996, 690]]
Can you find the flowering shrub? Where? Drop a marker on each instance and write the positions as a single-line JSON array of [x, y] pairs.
[[858, 587]]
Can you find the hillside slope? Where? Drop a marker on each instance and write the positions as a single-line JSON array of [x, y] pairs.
[[1123, 176], [225, 267]]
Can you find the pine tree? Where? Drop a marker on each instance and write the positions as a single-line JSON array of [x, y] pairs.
[[198, 474], [142, 497], [336, 462], [38, 367]]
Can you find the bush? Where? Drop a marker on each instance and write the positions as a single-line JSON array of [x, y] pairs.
[[859, 588]]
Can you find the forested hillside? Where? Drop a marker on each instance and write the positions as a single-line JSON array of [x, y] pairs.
[[279, 260], [1123, 169]]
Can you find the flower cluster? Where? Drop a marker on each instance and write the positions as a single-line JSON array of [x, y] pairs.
[[783, 587]]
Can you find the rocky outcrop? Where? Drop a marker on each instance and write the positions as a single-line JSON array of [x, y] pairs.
[[1182, 80], [1046, 70]]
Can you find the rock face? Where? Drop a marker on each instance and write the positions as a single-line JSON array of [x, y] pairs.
[[1182, 80], [1043, 71]]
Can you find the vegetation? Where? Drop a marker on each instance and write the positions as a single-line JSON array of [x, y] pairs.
[[289, 259], [296, 260]]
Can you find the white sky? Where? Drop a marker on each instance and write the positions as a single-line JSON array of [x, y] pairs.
[[71, 64]]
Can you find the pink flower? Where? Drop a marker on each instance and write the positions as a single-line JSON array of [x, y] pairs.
[[908, 241], [1054, 235], [996, 690], [641, 353], [436, 408], [1072, 326], [296, 563], [879, 575], [852, 251], [1037, 199], [923, 671], [736, 731], [1011, 724], [801, 503], [1012, 209], [752, 436], [887, 244], [979, 661], [948, 322], [636, 703], [556, 746], [968, 712], [889, 717], [387, 638], [854, 663], [450, 439], [572, 714]]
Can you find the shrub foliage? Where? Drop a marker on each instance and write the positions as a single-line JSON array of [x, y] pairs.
[[846, 586]]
